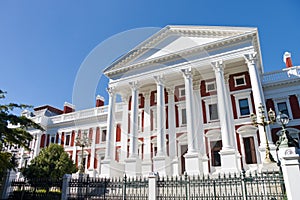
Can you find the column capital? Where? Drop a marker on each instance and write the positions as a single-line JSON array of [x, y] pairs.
[[196, 85], [146, 95], [111, 90], [134, 85], [170, 90], [250, 58], [218, 66], [187, 73], [125, 97], [159, 79]]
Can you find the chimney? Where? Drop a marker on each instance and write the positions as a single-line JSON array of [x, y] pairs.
[[99, 101], [68, 108], [287, 59]]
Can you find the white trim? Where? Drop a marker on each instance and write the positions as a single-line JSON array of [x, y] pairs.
[[210, 83], [239, 96], [283, 100], [239, 77], [181, 106], [180, 90]]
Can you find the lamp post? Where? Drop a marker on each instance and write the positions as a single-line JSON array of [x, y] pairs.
[[282, 119], [82, 142], [264, 122]]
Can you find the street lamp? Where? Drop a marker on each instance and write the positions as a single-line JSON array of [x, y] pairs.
[[82, 142], [264, 122], [282, 119]]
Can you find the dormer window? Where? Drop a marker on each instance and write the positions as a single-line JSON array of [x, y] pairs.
[[239, 80]]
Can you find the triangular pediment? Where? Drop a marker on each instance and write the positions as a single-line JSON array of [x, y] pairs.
[[173, 40]]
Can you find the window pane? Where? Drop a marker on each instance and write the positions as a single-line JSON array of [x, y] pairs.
[[240, 81], [213, 111], [183, 116], [244, 107], [282, 107], [103, 139], [210, 87], [249, 147], [215, 149], [67, 139]]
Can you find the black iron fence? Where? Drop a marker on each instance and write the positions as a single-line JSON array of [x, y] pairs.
[[108, 188], [268, 186], [43, 189]]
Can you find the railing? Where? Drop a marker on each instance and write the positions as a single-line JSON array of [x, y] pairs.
[[282, 75], [232, 186], [108, 188], [35, 189]]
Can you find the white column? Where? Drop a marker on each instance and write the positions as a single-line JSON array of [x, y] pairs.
[[160, 108], [198, 120], [110, 136], [192, 141], [37, 144], [124, 128], [229, 161], [222, 107], [147, 163], [74, 147], [133, 149], [257, 92], [93, 148], [172, 124], [172, 132]]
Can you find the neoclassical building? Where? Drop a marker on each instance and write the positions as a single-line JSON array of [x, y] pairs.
[[186, 93]]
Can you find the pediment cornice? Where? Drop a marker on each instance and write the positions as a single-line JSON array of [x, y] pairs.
[[227, 36]]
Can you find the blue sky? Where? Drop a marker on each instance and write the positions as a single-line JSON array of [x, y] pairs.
[[44, 43]]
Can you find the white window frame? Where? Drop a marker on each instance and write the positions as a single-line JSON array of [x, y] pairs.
[[181, 106], [283, 100], [238, 77], [154, 121], [65, 140], [210, 83], [139, 100], [101, 137], [210, 101], [180, 92], [140, 120], [50, 139], [155, 97], [242, 95]]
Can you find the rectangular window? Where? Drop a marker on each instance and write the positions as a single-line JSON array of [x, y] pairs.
[[282, 107], [52, 139], [210, 86], [183, 116], [103, 136], [68, 139], [244, 107], [181, 92], [215, 149], [239, 80], [249, 147], [213, 112]]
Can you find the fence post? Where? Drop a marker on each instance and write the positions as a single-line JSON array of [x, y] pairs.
[[187, 195], [124, 186], [65, 186], [290, 169], [152, 182]]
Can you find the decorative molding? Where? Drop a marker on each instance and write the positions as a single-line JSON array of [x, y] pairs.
[[159, 79], [250, 58], [134, 85], [187, 73], [218, 66]]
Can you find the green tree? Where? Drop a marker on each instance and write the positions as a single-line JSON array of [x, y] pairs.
[[13, 132], [52, 162]]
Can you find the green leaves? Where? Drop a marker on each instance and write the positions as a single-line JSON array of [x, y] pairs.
[[52, 162]]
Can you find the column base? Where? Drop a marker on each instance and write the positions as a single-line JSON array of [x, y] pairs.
[[146, 168], [91, 172], [111, 168], [133, 167], [161, 165], [229, 161], [192, 163], [175, 167], [204, 160]]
